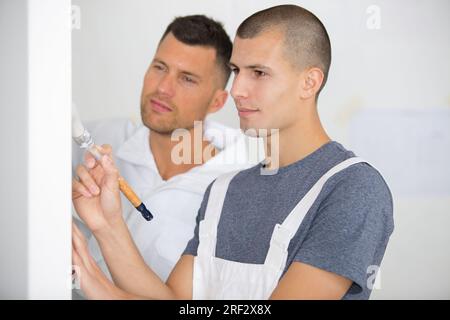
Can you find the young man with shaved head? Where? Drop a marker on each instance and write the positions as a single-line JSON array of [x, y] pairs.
[[311, 224]]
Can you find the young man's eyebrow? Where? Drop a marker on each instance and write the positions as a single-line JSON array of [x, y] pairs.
[[257, 66], [185, 72], [252, 66]]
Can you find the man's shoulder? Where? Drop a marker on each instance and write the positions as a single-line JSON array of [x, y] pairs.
[[361, 189], [357, 178], [364, 177]]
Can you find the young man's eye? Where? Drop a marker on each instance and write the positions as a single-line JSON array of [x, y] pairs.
[[259, 73], [235, 70]]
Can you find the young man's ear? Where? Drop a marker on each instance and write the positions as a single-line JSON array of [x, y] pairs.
[[311, 81], [218, 101]]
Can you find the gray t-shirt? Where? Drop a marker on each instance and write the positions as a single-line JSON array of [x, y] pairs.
[[346, 231]]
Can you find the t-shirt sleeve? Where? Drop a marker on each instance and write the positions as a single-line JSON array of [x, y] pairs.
[[352, 227], [192, 245]]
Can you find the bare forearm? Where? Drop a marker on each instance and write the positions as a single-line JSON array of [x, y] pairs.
[[127, 267]]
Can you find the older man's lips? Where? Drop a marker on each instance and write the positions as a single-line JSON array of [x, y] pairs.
[[244, 112], [159, 106]]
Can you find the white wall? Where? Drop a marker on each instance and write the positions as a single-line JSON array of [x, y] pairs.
[[14, 170], [387, 98], [35, 100]]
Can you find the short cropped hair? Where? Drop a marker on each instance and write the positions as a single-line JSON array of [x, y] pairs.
[[199, 30], [306, 41]]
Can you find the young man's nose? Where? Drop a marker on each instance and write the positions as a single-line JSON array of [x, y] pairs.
[[239, 89]]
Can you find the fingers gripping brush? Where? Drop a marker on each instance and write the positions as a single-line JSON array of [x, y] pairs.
[[84, 139]]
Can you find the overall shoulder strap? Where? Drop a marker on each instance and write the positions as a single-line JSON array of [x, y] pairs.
[[208, 226]]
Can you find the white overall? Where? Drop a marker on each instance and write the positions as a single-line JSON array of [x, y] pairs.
[[216, 278]]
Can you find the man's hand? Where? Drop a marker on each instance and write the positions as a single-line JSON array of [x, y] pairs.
[[96, 198], [92, 280], [96, 195]]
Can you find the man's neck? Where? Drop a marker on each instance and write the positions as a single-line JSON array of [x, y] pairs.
[[296, 142], [162, 145]]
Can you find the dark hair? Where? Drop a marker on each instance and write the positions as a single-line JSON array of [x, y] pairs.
[[306, 40], [199, 30]]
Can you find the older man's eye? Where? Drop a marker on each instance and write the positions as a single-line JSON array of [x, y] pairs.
[[189, 79], [158, 67]]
